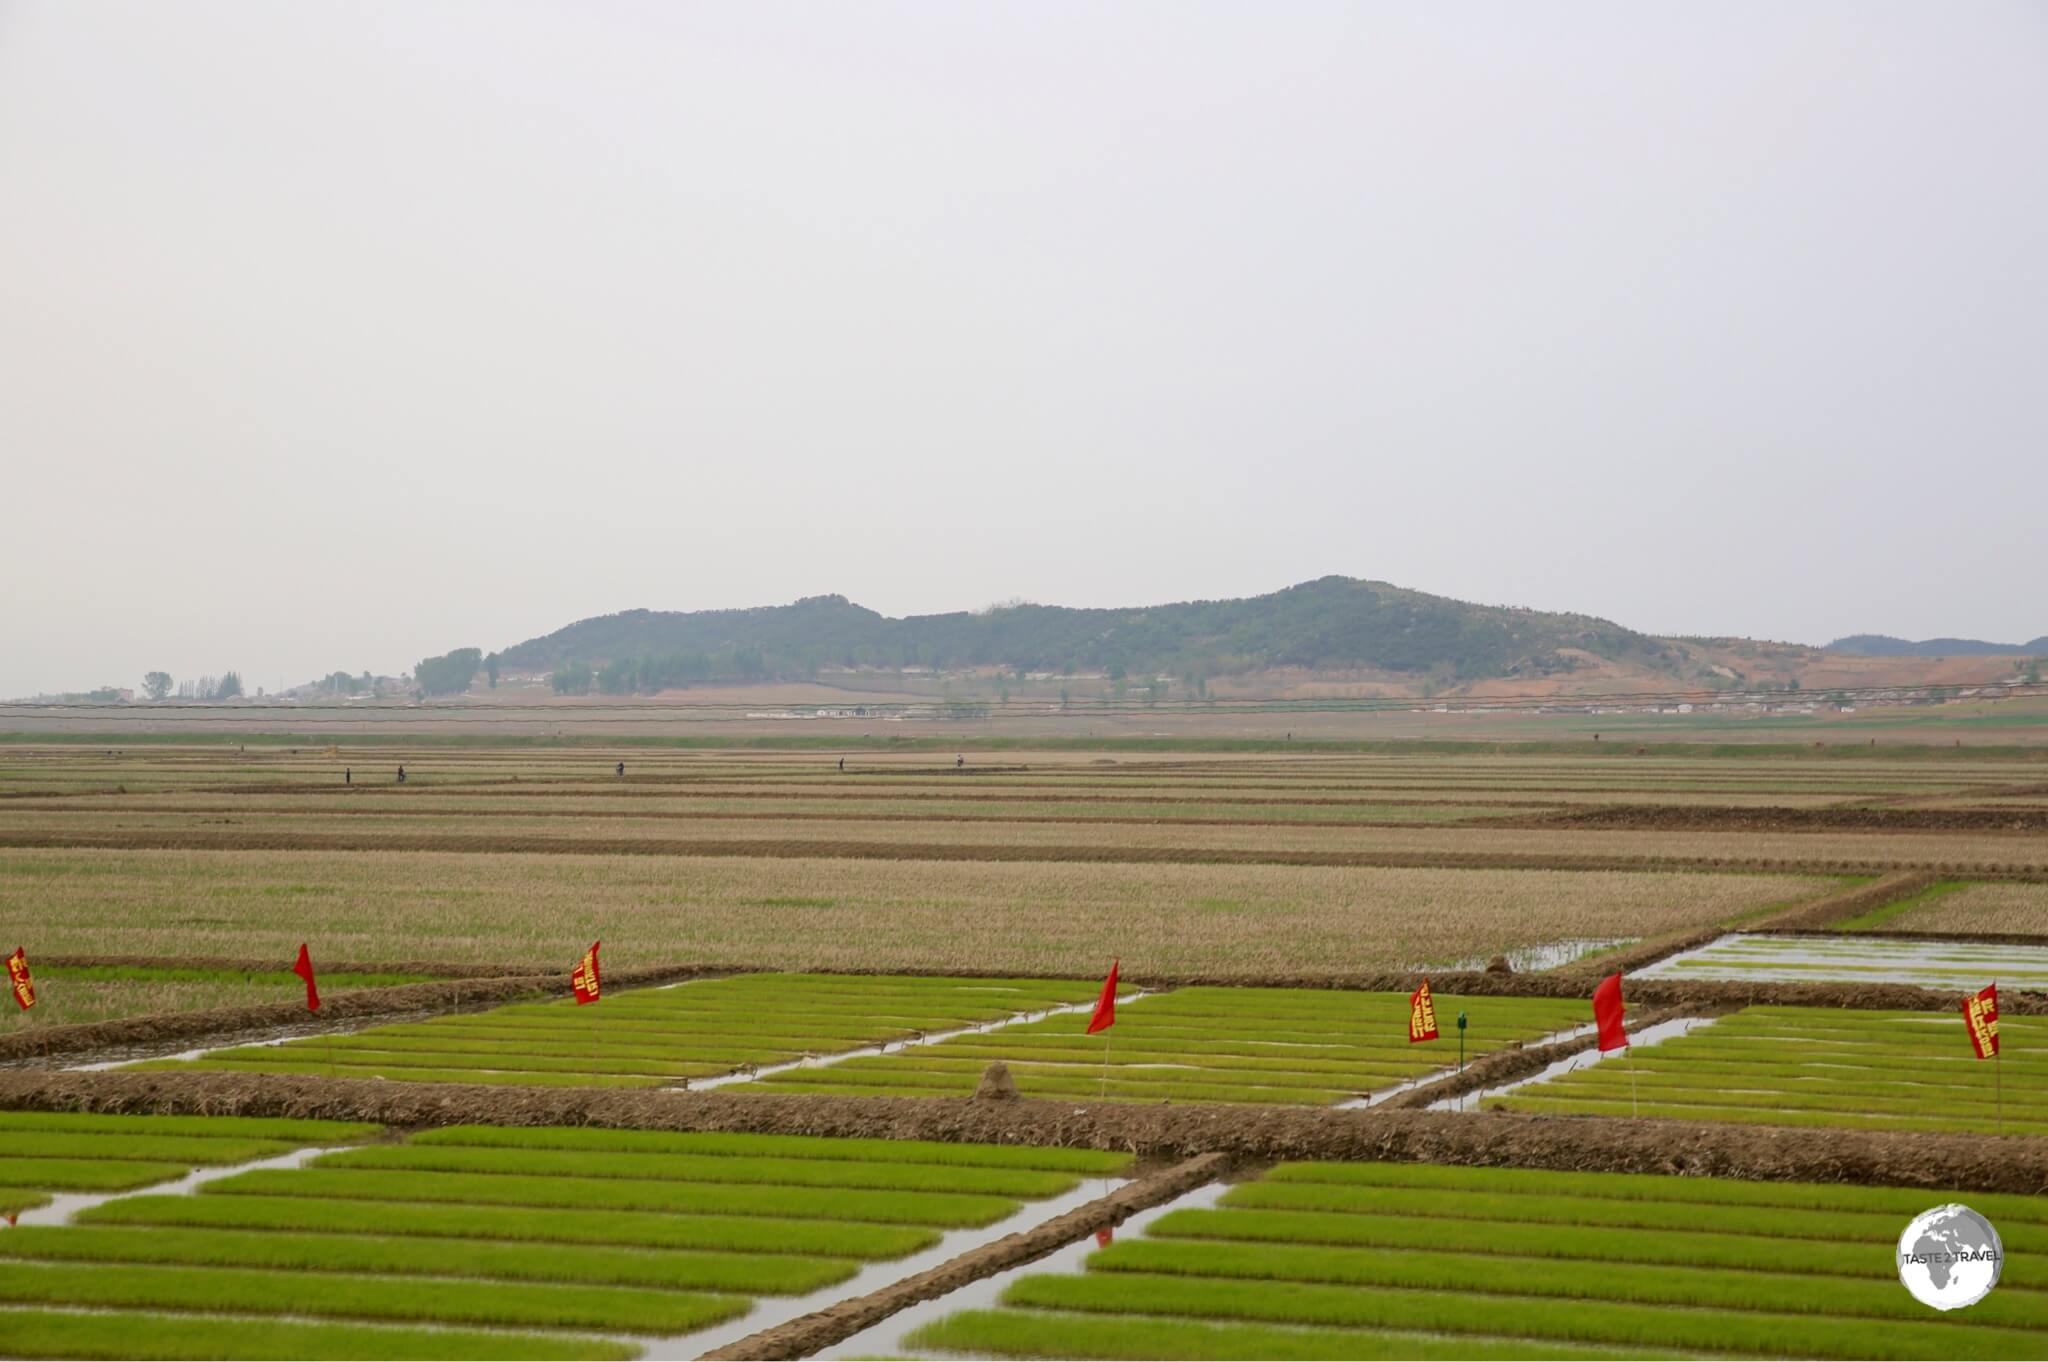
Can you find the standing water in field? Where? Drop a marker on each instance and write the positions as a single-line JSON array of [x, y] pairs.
[[59, 1209]]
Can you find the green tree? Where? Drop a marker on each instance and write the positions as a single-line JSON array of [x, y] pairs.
[[156, 685], [491, 669], [448, 674], [572, 678], [229, 688]]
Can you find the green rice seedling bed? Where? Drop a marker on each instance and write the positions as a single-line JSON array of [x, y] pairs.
[[1151, 1089], [307, 1063], [601, 1231], [706, 1168], [884, 1207], [1464, 1311], [544, 1225], [1038, 1333], [1395, 1230], [1207, 1044], [175, 1338], [773, 1274], [1905, 1202], [1338, 1259], [187, 1149], [655, 1037], [248, 1291], [86, 1175], [1814, 1067], [1095, 1161]]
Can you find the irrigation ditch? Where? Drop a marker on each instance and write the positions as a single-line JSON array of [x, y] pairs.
[[835, 1323]]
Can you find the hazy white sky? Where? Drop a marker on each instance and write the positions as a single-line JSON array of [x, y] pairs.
[[335, 334]]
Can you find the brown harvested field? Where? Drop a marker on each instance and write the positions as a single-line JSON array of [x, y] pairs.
[[1033, 917], [2016, 909]]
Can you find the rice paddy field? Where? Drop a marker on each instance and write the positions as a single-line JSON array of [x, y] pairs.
[[1207, 1045], [1371, 1260], [46, 1153], [559, 1242], [1790, 1066], [662, 1037], [1963, 966], [893, 928]]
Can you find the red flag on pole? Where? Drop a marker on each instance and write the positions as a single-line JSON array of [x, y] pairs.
[[1421, 1014], [303, 967], [1105, 1006], [17, 976], [1607, 1010], [1980, 1018], [583, 979]]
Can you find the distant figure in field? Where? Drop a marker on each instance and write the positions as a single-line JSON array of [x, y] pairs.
[[960, 762], [842, 763], [348, 776], [401, 775], [622, 770]]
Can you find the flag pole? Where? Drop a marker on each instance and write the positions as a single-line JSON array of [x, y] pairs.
[[1998, 1088], [1105, 1062], [1633, 1111]]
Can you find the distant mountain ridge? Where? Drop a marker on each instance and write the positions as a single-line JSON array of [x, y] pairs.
[[1884, 645], [1330, 623]]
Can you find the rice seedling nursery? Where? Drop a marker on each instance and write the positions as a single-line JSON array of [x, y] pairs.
[[850, 1079]]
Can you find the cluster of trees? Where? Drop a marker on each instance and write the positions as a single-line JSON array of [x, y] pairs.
[[341, 683], [448, 674], [647, 673], [160, 686]]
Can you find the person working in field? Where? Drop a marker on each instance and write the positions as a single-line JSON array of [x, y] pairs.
[[401, 775], [622, 770]]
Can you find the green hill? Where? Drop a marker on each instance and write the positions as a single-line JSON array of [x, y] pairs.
[[1331, 623]]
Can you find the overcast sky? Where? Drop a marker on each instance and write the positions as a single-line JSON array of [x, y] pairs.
[[336, 334]]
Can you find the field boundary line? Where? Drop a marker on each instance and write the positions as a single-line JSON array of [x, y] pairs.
[[789, 849], [1942, 1162], [807, 1334]]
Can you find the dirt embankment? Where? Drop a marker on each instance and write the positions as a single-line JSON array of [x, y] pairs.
[[1940, 1162], [241, 964], [2026, 864], [134, 1037], [821, 1329]]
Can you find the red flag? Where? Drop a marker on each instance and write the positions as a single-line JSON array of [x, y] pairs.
[[304, 969], [1421, 1015], [1105, 1006], [1607, 1010], [17, 975], [583, 979], [1980, 1019]]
